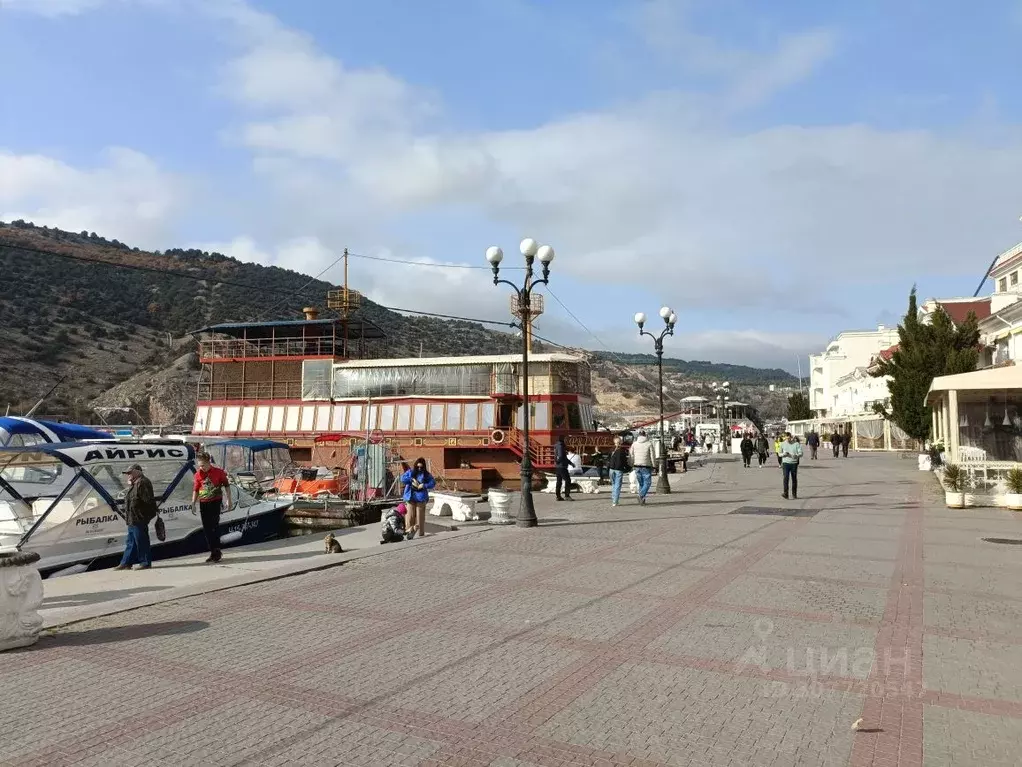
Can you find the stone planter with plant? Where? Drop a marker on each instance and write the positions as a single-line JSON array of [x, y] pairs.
[[21, 595], [1013, 480], [954, 486]]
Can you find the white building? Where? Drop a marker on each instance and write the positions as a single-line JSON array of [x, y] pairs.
[[832, 384], [1001, 330]]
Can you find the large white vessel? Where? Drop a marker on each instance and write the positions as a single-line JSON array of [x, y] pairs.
[[65, 501]]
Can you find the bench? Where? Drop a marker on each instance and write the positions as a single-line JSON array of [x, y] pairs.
[[586, 485], [460, 506]]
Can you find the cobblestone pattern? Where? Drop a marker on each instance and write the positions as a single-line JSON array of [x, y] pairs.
[[672, 634]]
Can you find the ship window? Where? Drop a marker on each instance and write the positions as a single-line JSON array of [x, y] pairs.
[[316, 375], [323, 418], [262, 419], [421, 380], [339, 421], [419, 420], [386, 417], [488, 413], [277, 418], [453, 417], [354, 417], [216, 417], [574, 416], [291, 418], [541, 415], [436, 417], [308, 418], [404, 417], [560, 419], [471, 417], [372, 411]]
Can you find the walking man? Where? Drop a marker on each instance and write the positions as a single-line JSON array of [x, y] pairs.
[[791, 454], [642, 460], [762, 448], [618, 465], [139, 510], [844, 443], [747, 449], [562, 466], [813, 440], [208, 492], [835, 442]]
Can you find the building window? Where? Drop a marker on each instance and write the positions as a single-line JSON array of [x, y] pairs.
[[471, 417], [1002, 285], [354, 417], [1013, 279]]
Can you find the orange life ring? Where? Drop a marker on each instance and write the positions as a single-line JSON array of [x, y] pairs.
[[497, 436]]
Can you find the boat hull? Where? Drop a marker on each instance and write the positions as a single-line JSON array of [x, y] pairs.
[[262, 525]]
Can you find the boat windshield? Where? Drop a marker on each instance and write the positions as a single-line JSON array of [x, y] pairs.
[[34, 474], [268, 464], [160, 473], [7, 439]]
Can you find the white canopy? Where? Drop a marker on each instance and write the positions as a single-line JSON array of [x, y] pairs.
[[993, 379]]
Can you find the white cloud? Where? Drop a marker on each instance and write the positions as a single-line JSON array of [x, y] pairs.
[[127, 197], [57, 8]]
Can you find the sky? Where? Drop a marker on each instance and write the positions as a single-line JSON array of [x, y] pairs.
[[774, 172]]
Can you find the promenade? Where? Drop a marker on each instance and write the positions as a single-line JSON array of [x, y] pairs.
[[679, 633]]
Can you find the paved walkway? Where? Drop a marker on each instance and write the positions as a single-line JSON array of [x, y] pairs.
[[677, 633]]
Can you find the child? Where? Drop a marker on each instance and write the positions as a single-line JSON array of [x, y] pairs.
[[394, 524]]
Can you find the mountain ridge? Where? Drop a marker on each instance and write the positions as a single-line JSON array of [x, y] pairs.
[[96, 313]]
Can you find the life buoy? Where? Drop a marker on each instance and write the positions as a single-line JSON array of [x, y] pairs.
[[497, 437]]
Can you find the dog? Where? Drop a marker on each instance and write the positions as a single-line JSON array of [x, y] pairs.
[[333, 546]]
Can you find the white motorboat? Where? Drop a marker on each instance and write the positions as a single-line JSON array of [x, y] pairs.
[[65, 501]]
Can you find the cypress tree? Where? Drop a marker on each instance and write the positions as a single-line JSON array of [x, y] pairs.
[[798, 407], [925, 351]]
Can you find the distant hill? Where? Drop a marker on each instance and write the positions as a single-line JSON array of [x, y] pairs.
[[97, 325]]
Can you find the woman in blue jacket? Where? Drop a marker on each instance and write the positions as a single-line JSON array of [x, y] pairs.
[[417, 483]]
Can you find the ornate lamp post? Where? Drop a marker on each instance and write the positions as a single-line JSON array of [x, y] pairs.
[[670, 319], [494, 255]]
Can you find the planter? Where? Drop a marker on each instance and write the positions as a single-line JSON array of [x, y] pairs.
[[925, 462], [1013, 501], [969, 500], [500, 507], [954, 500], [21, 594]]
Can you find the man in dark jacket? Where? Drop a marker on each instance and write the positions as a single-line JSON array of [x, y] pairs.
[[561, 466], [835, 442], [747, 448], [813, 440], [139, 510]]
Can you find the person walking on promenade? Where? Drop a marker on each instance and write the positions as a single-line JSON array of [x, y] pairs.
[[562, 467], [813, 440], [208, 492], [139, 510], [417, 483], [845, 440], [791, 454], [618, 465], [642, 460], [777, 448], [835, 442], [762, 448], [747, 448]]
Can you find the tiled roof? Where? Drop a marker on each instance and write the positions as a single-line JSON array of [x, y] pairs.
[[887, 353], [959, 310]]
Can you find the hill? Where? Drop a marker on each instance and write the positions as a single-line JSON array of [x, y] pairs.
[[110, 322]]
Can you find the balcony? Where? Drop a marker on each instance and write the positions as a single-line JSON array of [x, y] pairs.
[[265, 390], [287, 348]]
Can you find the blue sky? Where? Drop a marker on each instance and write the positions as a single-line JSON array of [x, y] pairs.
[[775, 172]]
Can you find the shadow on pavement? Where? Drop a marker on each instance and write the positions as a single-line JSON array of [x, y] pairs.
[[76, 600], [120, 633]]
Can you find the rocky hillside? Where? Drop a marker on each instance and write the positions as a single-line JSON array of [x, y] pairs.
[[107, 324]]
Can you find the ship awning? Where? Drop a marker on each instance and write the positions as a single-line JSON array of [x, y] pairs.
[[357, 328]]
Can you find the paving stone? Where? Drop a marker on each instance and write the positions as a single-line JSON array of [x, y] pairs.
[[980, 669], [853, 603], [968, 738], [876, 572]]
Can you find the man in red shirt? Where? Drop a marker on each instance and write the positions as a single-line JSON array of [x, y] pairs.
[[208, 493]]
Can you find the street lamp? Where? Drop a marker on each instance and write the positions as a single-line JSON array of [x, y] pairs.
[[670, 319], [723, 393], [494, 255]]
